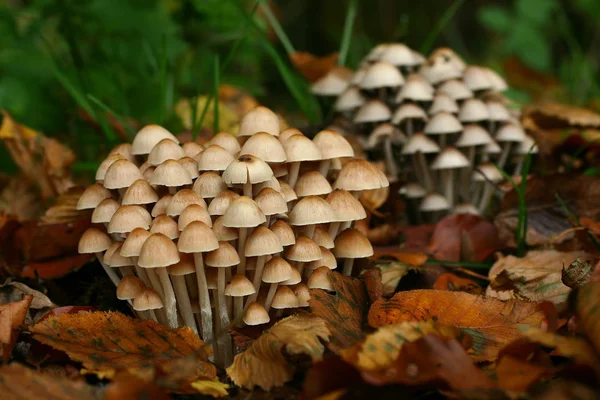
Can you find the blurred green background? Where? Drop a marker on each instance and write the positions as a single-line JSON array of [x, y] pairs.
[[140, 57]]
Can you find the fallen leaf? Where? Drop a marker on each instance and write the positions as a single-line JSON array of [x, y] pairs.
[[554, 115], [416, 237], [518, 375], [15, 291], [373, 283], [107, 342], [391, 274], [587, 306], [464, 237], [12, 316], [491, 322], [212, 388], [578, 273], [328, 376], [383, 234], [312, 67], [413, 259], [566, 390], [131, 387], [456, 283], [264, 364], [537, 84], [20, 199], [535, 277], [344, 311]]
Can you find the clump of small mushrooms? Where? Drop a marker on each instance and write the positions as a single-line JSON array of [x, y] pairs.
[[234, 231], [438, 123]]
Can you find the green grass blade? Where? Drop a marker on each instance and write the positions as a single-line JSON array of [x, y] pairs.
[[521, 232], [164, 67], [281, 35], [216, 80], [347, 33], [439, 27], [122, 121]]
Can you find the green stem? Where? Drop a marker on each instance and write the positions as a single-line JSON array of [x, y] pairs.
[[216, 79], [437, 29], [347, 33], [283, 38], [109, 110]]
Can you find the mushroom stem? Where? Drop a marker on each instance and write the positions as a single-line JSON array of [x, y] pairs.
[[293, 174], [241, 269], [109, 271], [260, 264], [238, 307], [267, 221], [224, 344], [141, 272], [465, 174], [279, 313], [192, 287], [348, 263], [203, 300], [299, 266], [172, 190], [345, 225], [324, 167], [409, 127], [183, 300], [442, 141], [519, 166], [390, 163], [170, 302], [485, 198], [447, 178], [504, 156], [248, 189], [155, 284], [310, 231], [427, 180], [270, 295], [334, 228], [151, 315], [128, 270]]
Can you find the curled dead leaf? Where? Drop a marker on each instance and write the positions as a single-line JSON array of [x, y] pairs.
[[12, 316], [313, 67], [456, 283], [578, 273], [587, 306]]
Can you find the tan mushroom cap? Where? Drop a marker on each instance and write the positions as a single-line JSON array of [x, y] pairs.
[[381, 74], [284, 298], [239, 286], [443, 123], [327, 260], [259, 119], [104, 165], [294, 278], [93, 241], [264, 146], [312, 183], [182, 199], [319, 279], [322, 238], [116, 259], [408, 111], [148, 137], [104, 211], [214, 158], [197, 237], [190, 149], [190, 165], [247, 168], [140, 192], [271, 202], [92, 196], [209, 185], [276, 270], [224, 256], [434, 202], [455, 89], [132, 246], [311, 210], [279, 170], [256, 315], [373, 111], [227, 141], [272, 183], [358, 174], [261, 242], [110, 250], [161, 205], [165, 150], [165, 225], [300, 148], [346, 206], [123, 149], [170, 174], [349, 99], [127, 218], [147, 300], [333, 82], [287, 192], [443, 102], [130, 287], [221, 203], [420, 143], [158, 251], [302, 294], [121, 174], [194, 212], [289, 132], [304, 250], [351, 243], [243, 212], [185, 266], [450, 158], [224, 233], [284, 232]]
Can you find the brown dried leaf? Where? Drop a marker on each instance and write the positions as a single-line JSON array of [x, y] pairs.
[[14, 291], [12, 316], [391, 274], [492, 323], [553, 116], [587, 305], [518, 375], [313, 67], [373, 283], [373, 199], [578, 273], [456, 283], [19, 199], [263, 364]]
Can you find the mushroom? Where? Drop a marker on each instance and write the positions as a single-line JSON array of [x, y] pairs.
[[171, 175], [92, 197], [124, 150], [380, 76], [183, 199], [417, 146], [166, 149], [284, 298], [193, 212], [488, 175], [148, 137], [256, 315], [165, 225], [191, 149], [247, 170], [277, 270], [407, 115], [266, 147], [116, 260], [413, 191], [105, 164], [213, 158], [209, 185], [259, 119], [161, 205], [443, 124], [130, 287], [473, 111], [261, 243], [455, 89], [527, 145], [139, 193], [319, 279], [299, 148], [442, 64], [311, 211], [238, 288], [352, 244], [132, 246], [322, 238], [178, 271], [284, 233], [333, 83], [390, 136], [332, 146], [148, 300], [443, 103], [227, 141], [303, 251], [477, 79], [271, 203], [120, 175], [373, 111], [311, 183], [507, 135], [349, 100], [302, 294], [94, 241], [221, 203], [357, 175], [434, 203], [446, 162], [190, 165]]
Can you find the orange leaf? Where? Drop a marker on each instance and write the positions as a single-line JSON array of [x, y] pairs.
[[313, 67], [414, 259], [453, 282], [56, 268], [588, 311], [518, 375], [492, 323], [12, 315]]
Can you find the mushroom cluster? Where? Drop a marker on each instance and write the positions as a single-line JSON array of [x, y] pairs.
[[231, 231], [438, 122]]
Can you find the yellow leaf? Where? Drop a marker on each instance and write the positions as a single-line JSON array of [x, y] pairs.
[[212, 388], [263, 363], [10, 129]]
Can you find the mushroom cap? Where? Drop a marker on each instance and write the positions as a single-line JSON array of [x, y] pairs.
[[497, 111], [224, 256], [256, 315], [346, 206], [209, 184], [148, 137], [381, 74], [166, 149], [510, 133], [221, 203], [487, 172], [193, 212], [526, 145], [294, 278], [247, 169], [319, 279], [351, 243], [373, 111], [412, 191], [327, 259], [408, 111], [140, 192], [93, 241], [287, 192], [473, 135], [284, 298], [271, 202], [262, 241], [311, 183], [304, 250], [227, 141], [465, 208], [171, 174], [455, 89], [121, 174], [123, 149], [265, 147], [183, 199], [165, 225], [161, 205], [197, 237], [434, 202], [287, 133], [322, 239], [498, 84], [376, 52], [185, 266], [279, 170], [127, 218], [110, 250], [272, 183], [302, 294], [476, 78], [385, 131], [158, 251], [239, 286], [284, 233], [311, 210], [224, 233], [350, 99], [243, 212], [190, 149], [473, 110], [333, 82], [190, 166], [443, 102], [147, 300], [492, 148], [450, 158], [415, 90], [399, 55], [358, 174], [300, 148], [276, 270], [130, 287], [132, 246], [214, 158], [332, 145], [259, 119], [443, 123], [442, 64], [92, 196]]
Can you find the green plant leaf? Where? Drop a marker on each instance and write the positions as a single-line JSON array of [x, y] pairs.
[[538, 12], [530, 44], [495, 18]]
